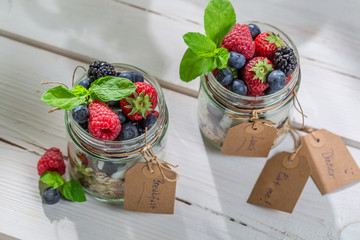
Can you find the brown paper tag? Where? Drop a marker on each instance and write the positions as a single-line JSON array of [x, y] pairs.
[[243, 140], [331, 163], [281, 182], [150, 193]]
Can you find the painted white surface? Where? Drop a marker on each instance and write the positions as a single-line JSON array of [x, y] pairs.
[[215, 185]]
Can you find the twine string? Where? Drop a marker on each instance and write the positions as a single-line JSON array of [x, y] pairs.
[[148, 154], [254, 119], [299, 110], [42, 82], [73, 76], [296, 147]]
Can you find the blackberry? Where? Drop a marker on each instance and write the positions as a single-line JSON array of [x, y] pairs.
[[100, 69], [285, 60]]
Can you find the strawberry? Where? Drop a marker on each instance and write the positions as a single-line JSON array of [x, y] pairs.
[[254, 74], [141, 103], [239, 40], [267, 43]]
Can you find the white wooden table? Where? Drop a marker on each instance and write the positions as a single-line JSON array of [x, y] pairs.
[[44, 40]]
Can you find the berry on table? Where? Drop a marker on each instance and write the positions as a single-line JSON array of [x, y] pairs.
[[255, 73], [285, 60], [85, 83], [141, 103], [148, 121], [266, 44], [81, 113], [104, 124], [254, 30], [128, 131], [225, 76], [52, 160], [236, 60], [239, 87], [100, 69], [51, 195], [276, 80], [239, 40]]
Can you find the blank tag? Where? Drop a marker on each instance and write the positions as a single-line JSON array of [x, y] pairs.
[[281, 182], [331, 163], [243, 140], [150, 193]]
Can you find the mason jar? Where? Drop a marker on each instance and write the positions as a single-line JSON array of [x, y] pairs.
[[216, 103], [100, 165]]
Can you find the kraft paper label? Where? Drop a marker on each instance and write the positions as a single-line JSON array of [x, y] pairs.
[[332, 164], [244, 140], [281, 182], [149, 192]]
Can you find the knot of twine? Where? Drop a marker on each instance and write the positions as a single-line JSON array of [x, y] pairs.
[[254, 118], [149, 156]]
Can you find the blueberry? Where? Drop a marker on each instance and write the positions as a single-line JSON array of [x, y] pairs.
[[110, 168], [51, 195], [148, 121], [85, 126], [85, 83], [127, 75], [239, 87], [121, 116], [225, 76], [236, 60], [113, 103], [269, 91], [81, 113], [254, 30], [276, 80], [128, 131], [137, 77]]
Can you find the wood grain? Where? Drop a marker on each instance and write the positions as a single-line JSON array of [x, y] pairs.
[[213, 186]]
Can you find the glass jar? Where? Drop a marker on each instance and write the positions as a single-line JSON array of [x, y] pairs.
[[217, 103], [99, 165]]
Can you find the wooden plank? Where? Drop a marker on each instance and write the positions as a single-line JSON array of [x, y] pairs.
[[24, 216], [209, 181], [155, 31]]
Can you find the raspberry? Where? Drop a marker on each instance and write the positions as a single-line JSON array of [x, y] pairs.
[[104, 124], [52, 160], [239, 40]]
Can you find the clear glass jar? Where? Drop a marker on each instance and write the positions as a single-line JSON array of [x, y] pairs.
[[216, 103], [100, 165]]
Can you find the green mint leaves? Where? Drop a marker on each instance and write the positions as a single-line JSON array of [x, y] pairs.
[[64, 98], [111, 89], [219, 19], [53, 179], [104, 89], [204, 54], [71, 190]]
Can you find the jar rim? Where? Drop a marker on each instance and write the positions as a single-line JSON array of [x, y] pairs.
[[137, 142]]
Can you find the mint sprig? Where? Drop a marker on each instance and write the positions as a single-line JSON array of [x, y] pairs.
[[219, 19], [204, 54], [104, 89], [111, 89], [71, 190]]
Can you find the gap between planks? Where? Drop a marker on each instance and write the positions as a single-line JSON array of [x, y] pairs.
[[164, 84], [217, 213]]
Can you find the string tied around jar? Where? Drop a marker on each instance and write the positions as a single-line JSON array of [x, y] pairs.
[[254, 118], [149, 156]]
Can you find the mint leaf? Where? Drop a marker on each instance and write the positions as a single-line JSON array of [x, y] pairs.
[[200, 44], [221, 57], [62, 97], [111, 89], [53, 179], [193, 66], [73, 191], [80, 91], [219, 19]]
